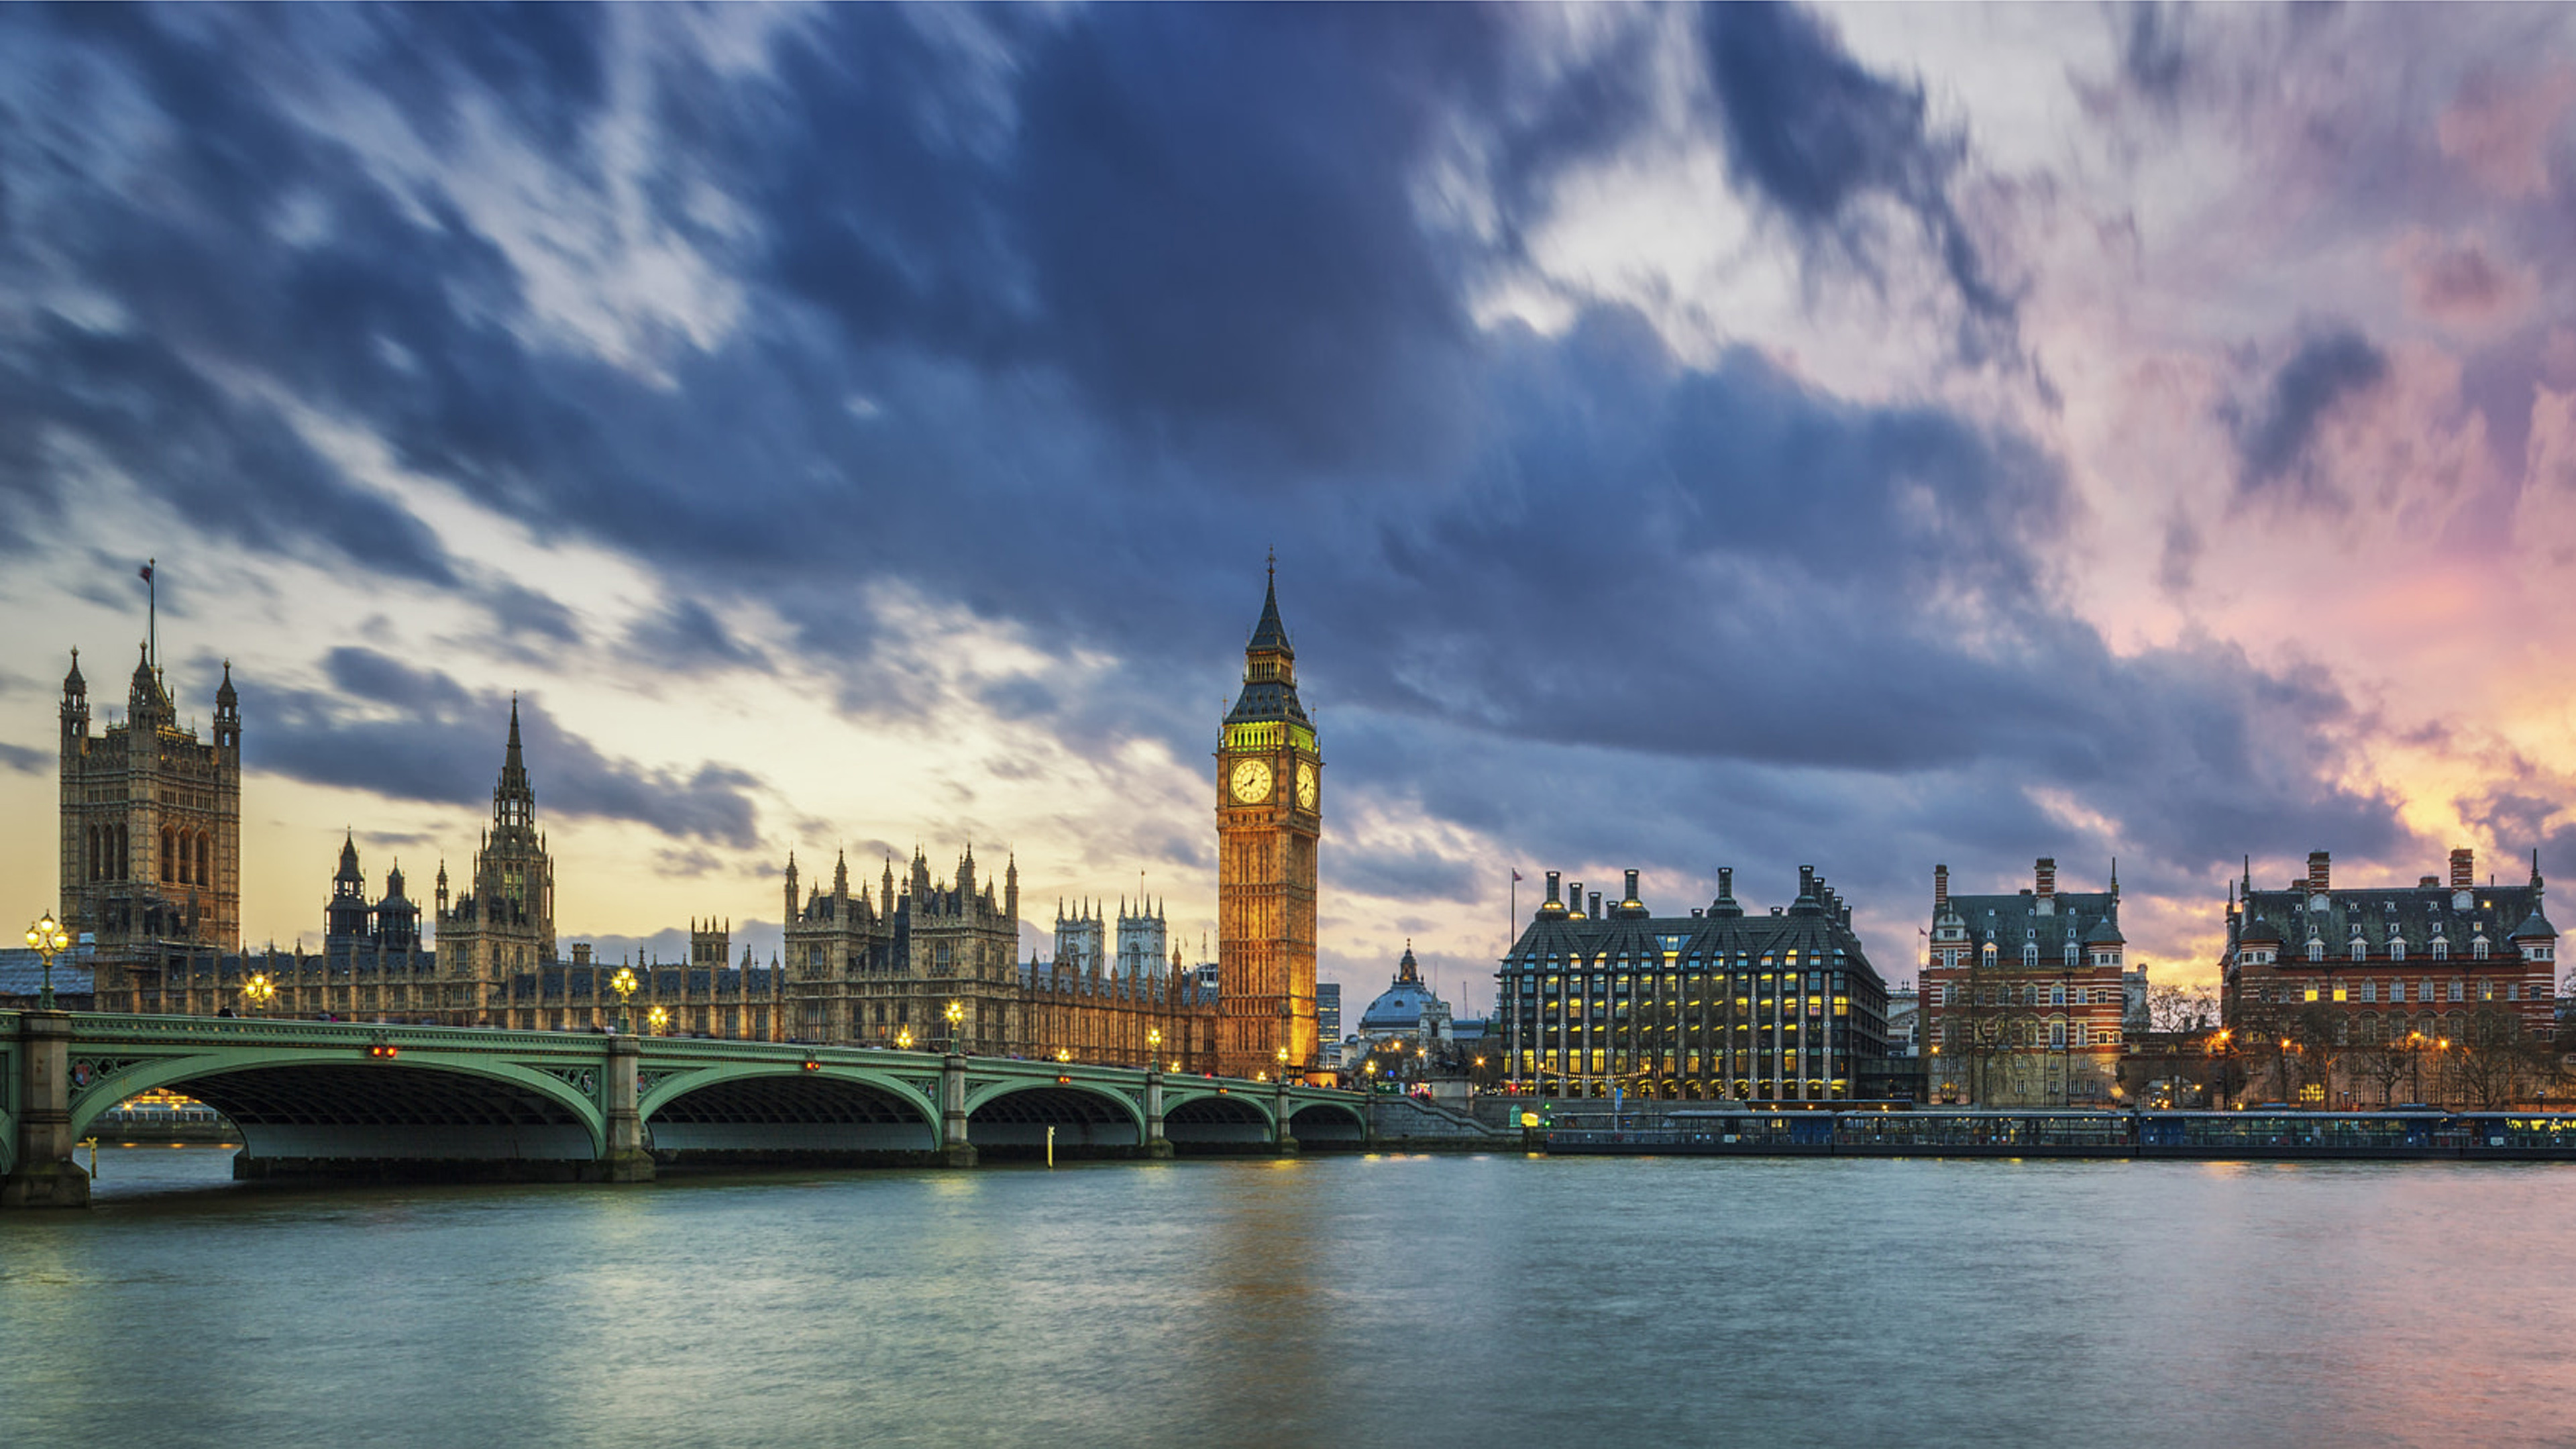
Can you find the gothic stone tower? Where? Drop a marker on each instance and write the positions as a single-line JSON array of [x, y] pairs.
[[506, 925], [151, 822], [1268, 818]]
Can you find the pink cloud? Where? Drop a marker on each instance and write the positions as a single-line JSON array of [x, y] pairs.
[[2453, 279], [2501, 129]]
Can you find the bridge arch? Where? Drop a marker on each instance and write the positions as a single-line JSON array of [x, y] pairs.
[[1212, 1119], [332, 1105], [1327, 1122], [769, 1108], [1015, 1115]]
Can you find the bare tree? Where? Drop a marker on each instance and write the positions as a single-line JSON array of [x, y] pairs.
[[2178, 1011], [2381, 1059], [2490, 1060], [2319, 1034]]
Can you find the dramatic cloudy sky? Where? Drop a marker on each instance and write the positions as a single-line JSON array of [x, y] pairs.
[[1744, 437]]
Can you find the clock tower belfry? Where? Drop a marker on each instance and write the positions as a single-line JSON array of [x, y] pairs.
[[1269, 815]]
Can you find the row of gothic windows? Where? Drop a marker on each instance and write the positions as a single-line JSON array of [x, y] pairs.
[[187, 856]]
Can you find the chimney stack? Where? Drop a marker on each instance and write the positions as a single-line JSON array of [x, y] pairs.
[[1631, 897], [1551, 887], [1595, 912], [1574, 896], [1940, 889], [1725, 881], [1806, 882], [2320, 872], [2464, 869], [2046, 875]]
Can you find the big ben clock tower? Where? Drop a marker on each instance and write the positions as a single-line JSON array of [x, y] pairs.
[[1269, 813]]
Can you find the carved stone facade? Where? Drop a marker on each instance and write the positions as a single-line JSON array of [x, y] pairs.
[[1269, 817], [151, 824], [504, 924], [884, 968]]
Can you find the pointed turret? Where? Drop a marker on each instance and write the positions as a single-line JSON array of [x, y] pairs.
[[514, 803], [2535, 927], [1269, 667], [147, 704], [227, 712]]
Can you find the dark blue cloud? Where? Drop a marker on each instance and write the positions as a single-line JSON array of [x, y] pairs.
[[684, 637], [2273, 431], [412, 733], [1814, 133], [1061, 319]]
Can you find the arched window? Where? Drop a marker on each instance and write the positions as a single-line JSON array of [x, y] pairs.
[[2396, 948], [169, 853], [2478, 946], [205, 876], [2030, 953], [1990, 955], [2441, 949], [2360, 947], [2316, 949]]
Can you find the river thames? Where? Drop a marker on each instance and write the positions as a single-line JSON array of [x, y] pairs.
[[1421, 1300]]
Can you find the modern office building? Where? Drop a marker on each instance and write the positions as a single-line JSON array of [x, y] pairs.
[[1719, 1004]]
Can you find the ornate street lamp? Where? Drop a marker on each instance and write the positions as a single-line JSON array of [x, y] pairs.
[[955, 1013], [259, 991], [903, 1039], [659, 1019], [623, 983], [48, 937], [1154, 1047]]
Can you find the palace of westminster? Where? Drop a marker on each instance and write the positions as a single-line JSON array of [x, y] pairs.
[[151, 880]]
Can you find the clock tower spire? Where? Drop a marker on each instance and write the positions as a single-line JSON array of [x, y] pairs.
[[1268, 820]]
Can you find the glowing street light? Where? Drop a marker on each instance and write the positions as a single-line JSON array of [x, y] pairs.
[[623, 983], [903, 1039], [955, 1013], [47, 936], [259, 991], [659, 1018]]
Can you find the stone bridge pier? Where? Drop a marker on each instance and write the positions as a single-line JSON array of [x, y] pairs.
[[42, 1173]]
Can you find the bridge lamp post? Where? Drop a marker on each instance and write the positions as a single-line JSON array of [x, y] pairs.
[[659, 1018], [1282, 1054], [48, 937], [623, 983], [903, 1039], [259, 991], [956, 1013], [1154, 1047]]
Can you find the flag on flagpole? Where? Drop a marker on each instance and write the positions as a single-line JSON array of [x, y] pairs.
[[145, 573], [1516, 875]]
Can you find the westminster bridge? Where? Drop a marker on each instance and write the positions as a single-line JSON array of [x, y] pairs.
[[345, 1098]]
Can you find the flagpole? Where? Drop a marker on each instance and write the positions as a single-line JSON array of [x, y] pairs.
[[152, 613]]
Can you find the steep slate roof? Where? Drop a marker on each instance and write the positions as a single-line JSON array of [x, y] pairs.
[[2092, 917], [1813, 927], [2293, 917]]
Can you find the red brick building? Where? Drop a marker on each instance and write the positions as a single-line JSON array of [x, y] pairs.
[[2343, 977], [2023, 996]]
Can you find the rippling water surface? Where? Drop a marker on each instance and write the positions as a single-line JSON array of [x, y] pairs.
[[1451, 1300]]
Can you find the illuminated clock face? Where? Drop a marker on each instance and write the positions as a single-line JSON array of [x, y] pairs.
[[1251, 780], [1306, 784]]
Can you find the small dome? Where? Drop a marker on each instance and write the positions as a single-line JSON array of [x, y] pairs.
[[72, 682], [1401, 1005]]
